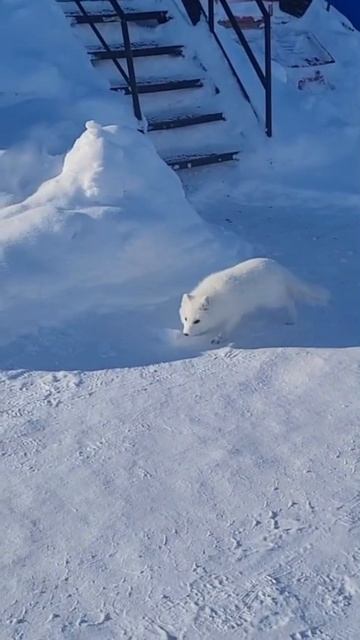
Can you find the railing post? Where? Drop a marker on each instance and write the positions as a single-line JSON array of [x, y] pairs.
[[211, 14], [131, 68], [193, 9], [268, 76]]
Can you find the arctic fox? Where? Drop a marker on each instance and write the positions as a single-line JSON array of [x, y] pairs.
[[220, 301]]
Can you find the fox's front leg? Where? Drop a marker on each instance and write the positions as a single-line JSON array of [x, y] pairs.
[[218, 339], [225, 332], [218, 334]]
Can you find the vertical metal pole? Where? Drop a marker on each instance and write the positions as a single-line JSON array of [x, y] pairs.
[[268, 77], [211, 16], [131, 69]]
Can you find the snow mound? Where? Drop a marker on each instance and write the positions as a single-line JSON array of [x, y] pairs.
[[105, 164]]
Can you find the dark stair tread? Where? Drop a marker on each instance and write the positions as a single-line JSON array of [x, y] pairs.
[[187, 161], [110, 16], [157, 86], [185, 120], [138, 50]]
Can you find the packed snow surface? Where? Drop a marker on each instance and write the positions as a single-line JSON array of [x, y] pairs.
[[153, 487]]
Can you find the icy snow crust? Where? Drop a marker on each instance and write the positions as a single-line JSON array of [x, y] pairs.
[[214, 496]]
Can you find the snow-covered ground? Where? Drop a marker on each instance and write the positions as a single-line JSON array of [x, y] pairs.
[[211, 498], [153, 487]]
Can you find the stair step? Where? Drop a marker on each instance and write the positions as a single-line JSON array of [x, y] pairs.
[[138, 51], [201, 159], [156, 86], [184, 121], [109, 16], [246, 23]]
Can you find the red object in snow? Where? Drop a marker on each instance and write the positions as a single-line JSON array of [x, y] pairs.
[[317, 78], [245, 22]]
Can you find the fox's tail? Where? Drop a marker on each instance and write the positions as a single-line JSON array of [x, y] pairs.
[[309, 293]]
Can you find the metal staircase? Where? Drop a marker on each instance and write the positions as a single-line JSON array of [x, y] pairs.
[[132, 47]]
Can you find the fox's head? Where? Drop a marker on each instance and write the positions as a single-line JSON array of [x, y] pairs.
[[194, 314]]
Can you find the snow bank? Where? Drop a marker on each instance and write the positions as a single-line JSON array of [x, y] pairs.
[[48, 90], [100, 234], [92, 221]]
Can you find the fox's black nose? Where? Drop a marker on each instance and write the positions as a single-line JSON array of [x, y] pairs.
[[186, 334]]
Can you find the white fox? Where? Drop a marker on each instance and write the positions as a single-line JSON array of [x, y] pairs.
[[220, 301]]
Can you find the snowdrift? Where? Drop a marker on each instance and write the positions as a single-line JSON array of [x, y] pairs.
[[102, 235], [92, 222]]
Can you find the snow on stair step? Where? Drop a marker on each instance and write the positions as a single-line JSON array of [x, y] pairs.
[[139, 50], [179, 120], [164, 59], [160, 85], [205, 136], [104, 6], [104, 17], [112, 32], [203, 96], [148, 68], [202, 158]]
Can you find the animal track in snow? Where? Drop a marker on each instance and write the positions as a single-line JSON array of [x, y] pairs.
[[309, 634], [349, 512]]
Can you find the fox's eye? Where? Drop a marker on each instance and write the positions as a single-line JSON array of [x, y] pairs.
[[196, 321], [185, 319]]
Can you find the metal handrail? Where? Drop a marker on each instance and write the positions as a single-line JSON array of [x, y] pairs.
[[130, 76], [265, 76]]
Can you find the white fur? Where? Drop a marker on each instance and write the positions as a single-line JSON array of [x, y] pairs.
[[221, 300]]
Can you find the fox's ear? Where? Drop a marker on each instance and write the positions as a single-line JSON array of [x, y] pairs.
[[205, 303], [187, 296]]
